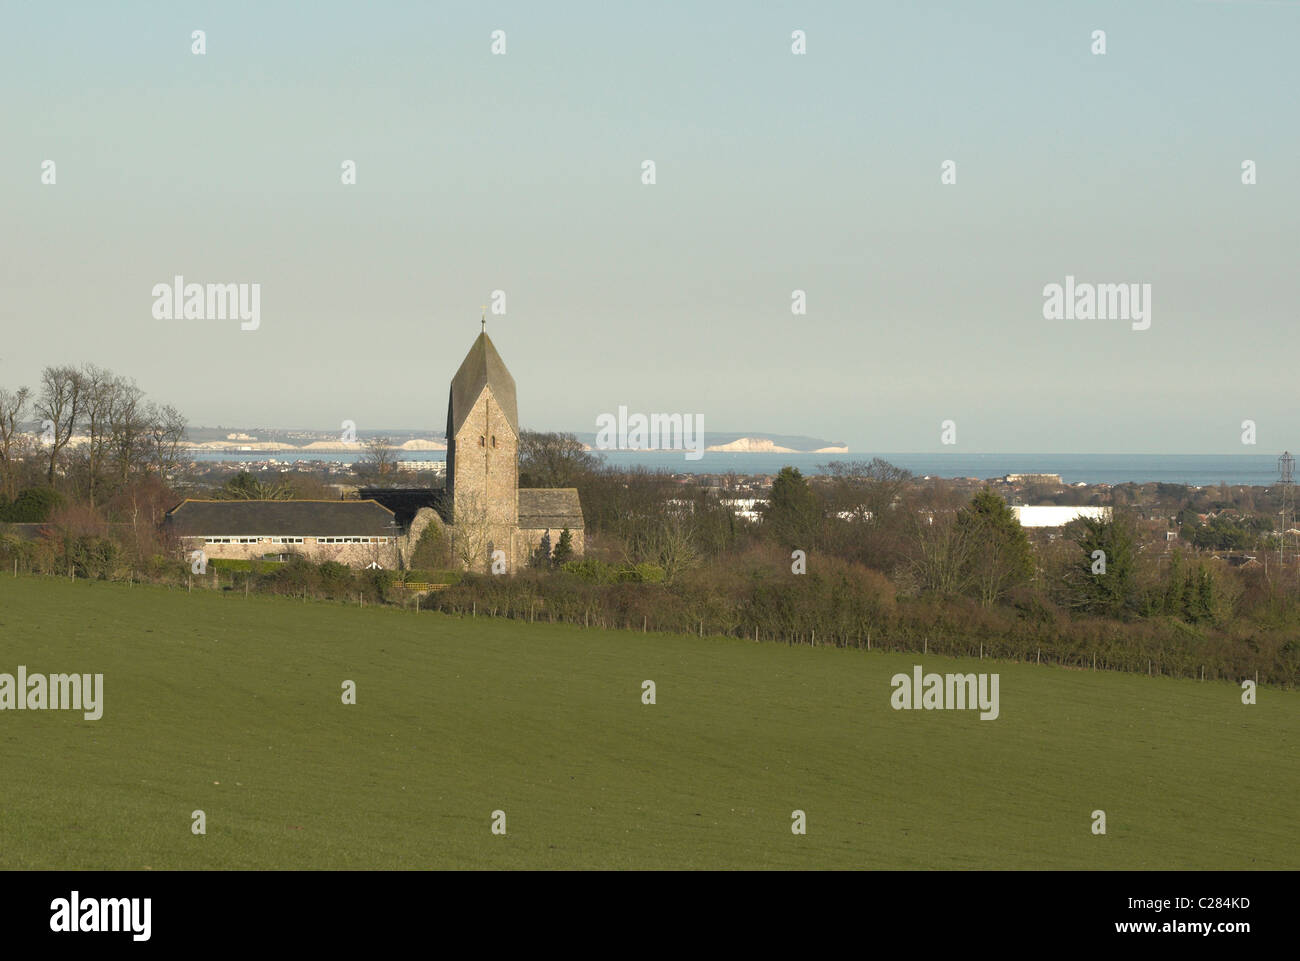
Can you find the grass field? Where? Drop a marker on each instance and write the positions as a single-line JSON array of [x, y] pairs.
[[232, 705]]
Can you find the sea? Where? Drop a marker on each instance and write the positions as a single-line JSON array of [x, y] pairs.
[[1196, 470]]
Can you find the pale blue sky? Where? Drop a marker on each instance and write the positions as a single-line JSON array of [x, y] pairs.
[[775, 172]]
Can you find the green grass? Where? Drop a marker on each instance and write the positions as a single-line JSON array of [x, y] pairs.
[[232, 705]]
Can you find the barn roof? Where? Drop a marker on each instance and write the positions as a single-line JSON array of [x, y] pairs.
[[482, 367], [200, 518], [553, 507]]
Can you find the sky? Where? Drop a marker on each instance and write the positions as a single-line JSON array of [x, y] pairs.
[[774, 172]]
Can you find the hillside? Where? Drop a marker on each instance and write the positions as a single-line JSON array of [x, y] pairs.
[[229, 704]]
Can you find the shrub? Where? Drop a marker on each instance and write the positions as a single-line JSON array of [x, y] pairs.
[[590, 570], [432, 550], [229, 564], [649, 573], [32, 506]]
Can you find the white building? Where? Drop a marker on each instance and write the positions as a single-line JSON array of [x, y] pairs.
[[1052, 515], [749, 508], [434, 466]]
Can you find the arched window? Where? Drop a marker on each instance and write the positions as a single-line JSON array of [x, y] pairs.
[[494, 440], [481, 440]]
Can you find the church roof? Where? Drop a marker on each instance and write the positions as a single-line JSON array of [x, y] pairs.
[[482, 367], [551, 507]]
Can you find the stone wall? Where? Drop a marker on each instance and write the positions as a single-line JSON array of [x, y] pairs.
[[408, 542], [526, 542], [353, 555]]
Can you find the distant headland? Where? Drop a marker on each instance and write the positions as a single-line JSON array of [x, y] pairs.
[[289, 440]]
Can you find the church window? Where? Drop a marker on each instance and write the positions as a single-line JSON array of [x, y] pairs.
[[480, 440]]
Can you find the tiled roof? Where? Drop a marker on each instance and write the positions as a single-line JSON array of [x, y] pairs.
[[195, 518], [552, 507]]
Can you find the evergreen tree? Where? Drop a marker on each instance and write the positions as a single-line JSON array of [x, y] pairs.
[[542, 556], [1000, 555], [1173, 599], [1188, 612], [1113, 593], [244, 486], [1205, 597], [793, 513], [32, 505], [563, 549]]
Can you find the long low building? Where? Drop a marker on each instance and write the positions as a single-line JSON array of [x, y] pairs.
[[360, 533], [1053, 515], [1034, 479]]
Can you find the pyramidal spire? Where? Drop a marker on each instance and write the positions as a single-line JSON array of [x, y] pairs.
[[482, 367]]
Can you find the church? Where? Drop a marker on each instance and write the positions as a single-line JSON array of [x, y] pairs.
[[490, 523], [485, 508]]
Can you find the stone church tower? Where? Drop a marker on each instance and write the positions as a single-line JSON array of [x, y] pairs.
[[483, 457], [484, 508]]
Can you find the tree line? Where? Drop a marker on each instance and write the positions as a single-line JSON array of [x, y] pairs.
[[121, 433], [936, 548]]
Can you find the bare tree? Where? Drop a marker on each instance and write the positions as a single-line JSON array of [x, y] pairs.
[[12, 406], [866, 490], [554, 460], [97, 389], [166, 431], [380, 459], [995, 567], [470, 532], [669, 541], [59, 407], [128, 427], [941, 553]]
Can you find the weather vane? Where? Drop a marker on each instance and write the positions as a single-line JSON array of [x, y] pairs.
[[483, 319]]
